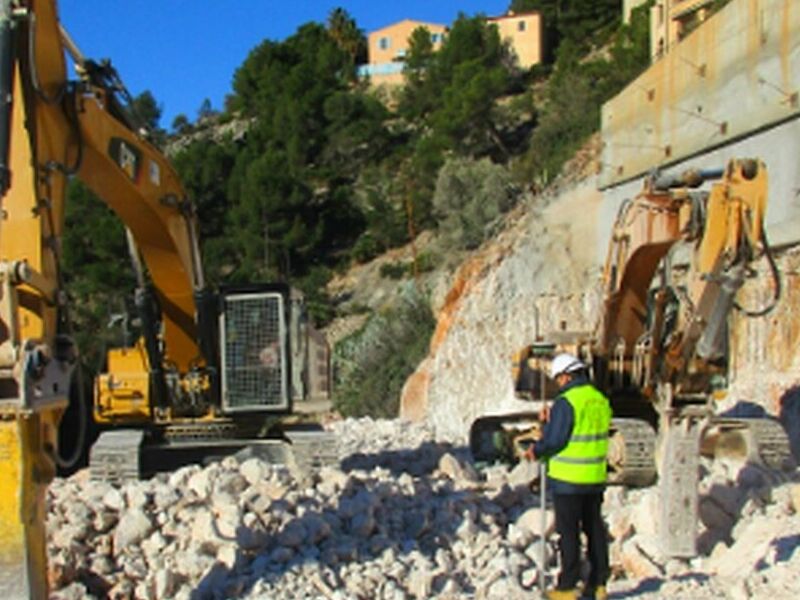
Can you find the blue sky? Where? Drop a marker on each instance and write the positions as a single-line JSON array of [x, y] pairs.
[[184, 51]]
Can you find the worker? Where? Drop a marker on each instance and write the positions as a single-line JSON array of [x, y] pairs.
[[575, 443]]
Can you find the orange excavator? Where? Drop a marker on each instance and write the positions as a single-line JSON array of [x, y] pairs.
[[678, 254], [213, 370]]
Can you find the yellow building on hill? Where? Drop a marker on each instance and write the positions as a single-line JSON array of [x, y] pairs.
[[524, 34], [388, 46]]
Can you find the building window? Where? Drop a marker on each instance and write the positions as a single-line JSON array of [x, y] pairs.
[[436, 38], [384, 43], [521, 26]]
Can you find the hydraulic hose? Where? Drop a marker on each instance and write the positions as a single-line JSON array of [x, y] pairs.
[[71, 461], [34, 71], [7, 63], [776, 278]]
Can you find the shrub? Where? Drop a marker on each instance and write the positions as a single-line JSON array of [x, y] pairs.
[[372, 365], [366, 248], [426, 262], [470, 197], [394, 270]]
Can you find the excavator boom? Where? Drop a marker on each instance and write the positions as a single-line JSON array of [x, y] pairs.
[[211, 369], [638, 343], [52, 129]]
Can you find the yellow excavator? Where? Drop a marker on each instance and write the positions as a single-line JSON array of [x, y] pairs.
[[678, 255], [213, 369]]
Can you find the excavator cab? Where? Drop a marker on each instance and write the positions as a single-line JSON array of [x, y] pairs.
[[503, 438]]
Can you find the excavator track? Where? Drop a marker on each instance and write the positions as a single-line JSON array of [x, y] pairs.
[[215, 430], [631, 446], [120, 456], [491, 437], [310, 450], [116, 456], [759, 440], [631, 456]]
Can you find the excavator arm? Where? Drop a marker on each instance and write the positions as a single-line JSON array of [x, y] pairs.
[[50, 130], [643, 339], [677, 258], [212, 368], [141, 187]]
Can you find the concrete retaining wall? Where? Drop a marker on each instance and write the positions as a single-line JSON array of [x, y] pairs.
[[730, 90]]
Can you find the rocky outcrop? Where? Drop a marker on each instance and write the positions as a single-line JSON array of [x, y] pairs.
[[499, 301], [212, 129]]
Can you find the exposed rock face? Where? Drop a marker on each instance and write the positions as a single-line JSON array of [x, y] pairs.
[[404, 516], [210, 129], [765, 364], [548, 250], [545, 270]]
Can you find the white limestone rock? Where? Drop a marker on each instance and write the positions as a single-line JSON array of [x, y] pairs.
[[254, 470], [795, 498], [164, 583], [201, 481], [133, 527], [637, 563], [114, 500], [458, 471], [74, 591], [533, 519], [165, 497], [645, 511], [137, 495], [293, 535], [331, 481], [524, 473], [385, 530]]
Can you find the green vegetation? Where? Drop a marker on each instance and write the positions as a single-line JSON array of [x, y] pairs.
[[374, 363], [569, 108], [470, 198], [586, 23], [96, 267], [327, 173]]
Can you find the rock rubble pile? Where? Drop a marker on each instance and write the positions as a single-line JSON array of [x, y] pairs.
[[404, 516]]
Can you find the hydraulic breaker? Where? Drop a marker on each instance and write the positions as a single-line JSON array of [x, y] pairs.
[[25, 470]]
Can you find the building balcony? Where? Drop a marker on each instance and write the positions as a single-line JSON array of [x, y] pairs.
[[380, 70]]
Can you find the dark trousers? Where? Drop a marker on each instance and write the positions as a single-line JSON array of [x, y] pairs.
[[576, 513]]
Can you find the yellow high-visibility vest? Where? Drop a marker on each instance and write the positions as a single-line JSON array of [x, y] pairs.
[[583, 459]]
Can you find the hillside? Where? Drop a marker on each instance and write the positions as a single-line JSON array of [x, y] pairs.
[[310, 176]]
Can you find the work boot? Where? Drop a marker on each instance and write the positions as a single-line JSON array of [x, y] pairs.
[[600, 593], [562, 594]]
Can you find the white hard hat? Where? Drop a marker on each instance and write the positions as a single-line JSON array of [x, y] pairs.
[[565, 363]]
